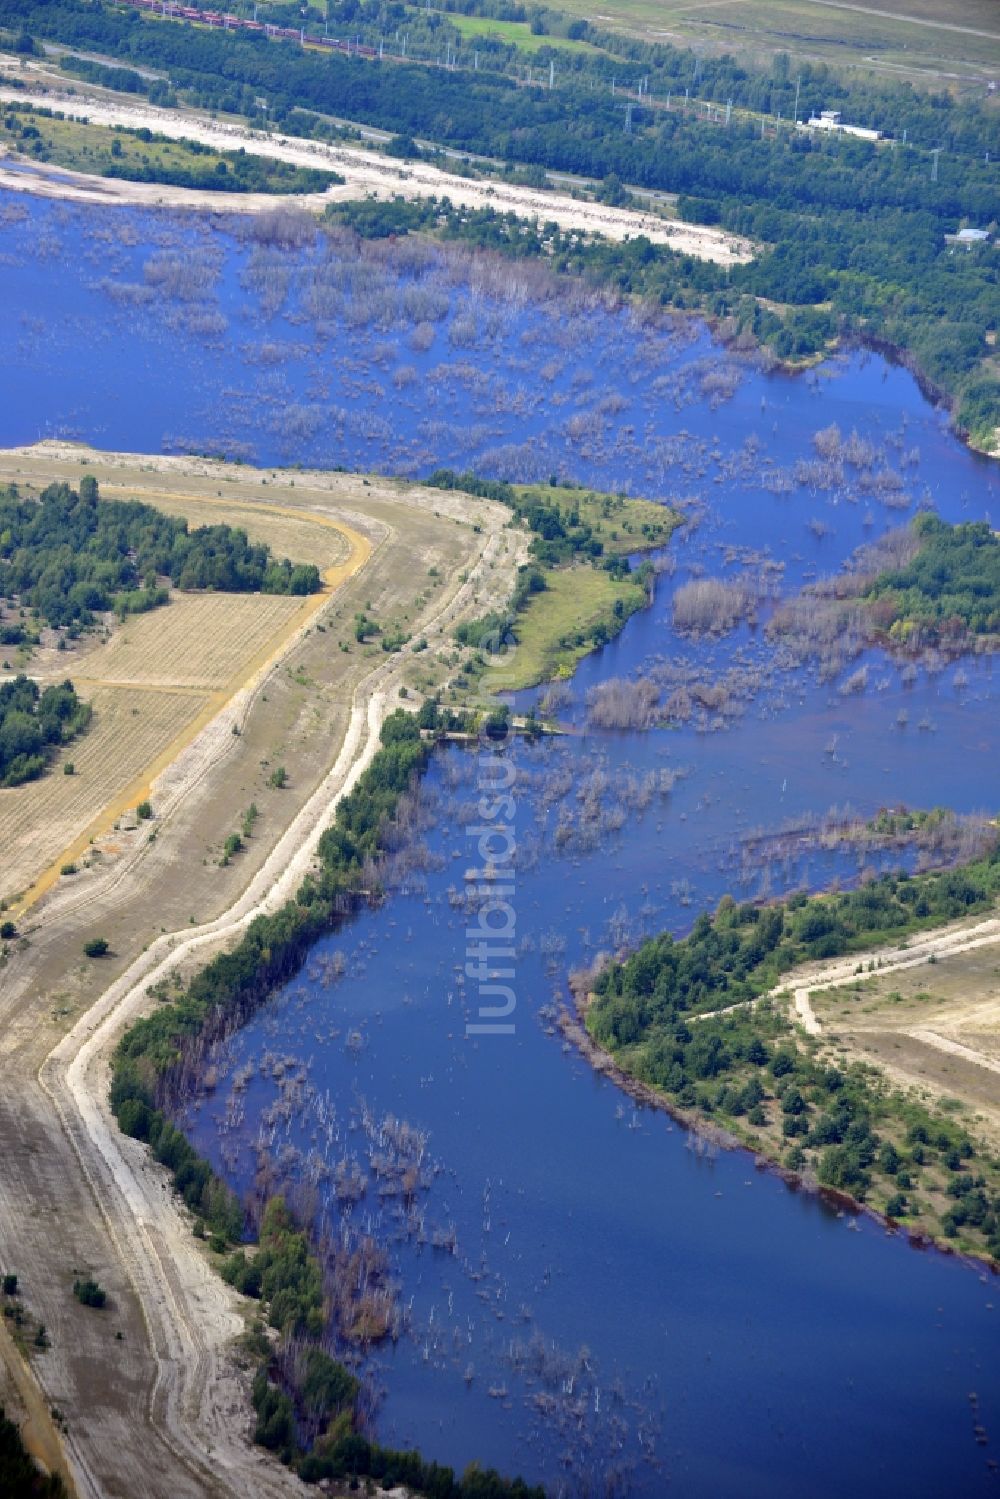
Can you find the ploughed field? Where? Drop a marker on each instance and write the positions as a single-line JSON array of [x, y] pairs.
[[152, 680]]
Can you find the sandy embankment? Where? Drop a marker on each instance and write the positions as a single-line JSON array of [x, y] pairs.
[[366, 174], [192, 1315], [197, 1406]]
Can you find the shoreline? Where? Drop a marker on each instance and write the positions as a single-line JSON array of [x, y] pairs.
[[366, 173], [572, 1026], [196, 1402], [370, 175]]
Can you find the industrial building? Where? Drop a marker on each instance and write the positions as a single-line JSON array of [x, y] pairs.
[[830, 119]]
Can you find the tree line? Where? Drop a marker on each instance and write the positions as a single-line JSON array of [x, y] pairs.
[[665, 1015], [854, 227], [69, 555], [305, 1399]]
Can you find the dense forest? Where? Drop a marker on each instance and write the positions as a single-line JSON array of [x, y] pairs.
[[70, 555], [853, 233], [33, 724], [949, 591], [657, 1013]]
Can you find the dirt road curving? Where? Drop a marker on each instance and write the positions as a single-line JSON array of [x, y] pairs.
[[162, 1410]]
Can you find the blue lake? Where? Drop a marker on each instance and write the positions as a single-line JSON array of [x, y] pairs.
[[623, 1310]]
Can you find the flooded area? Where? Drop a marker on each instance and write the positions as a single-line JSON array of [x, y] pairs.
[[579, 1290]]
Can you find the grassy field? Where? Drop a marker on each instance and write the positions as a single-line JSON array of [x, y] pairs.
[[517, 33], [576, 600], [922, 40], [83, 147]]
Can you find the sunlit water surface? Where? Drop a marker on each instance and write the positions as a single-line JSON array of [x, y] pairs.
[[613, 1304]]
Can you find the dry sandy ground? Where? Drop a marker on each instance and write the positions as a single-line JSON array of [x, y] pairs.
[[163, 1411], [157, 682], [366, 174], [947, 1042]]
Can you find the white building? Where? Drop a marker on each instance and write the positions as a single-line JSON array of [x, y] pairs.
[[830, 119]]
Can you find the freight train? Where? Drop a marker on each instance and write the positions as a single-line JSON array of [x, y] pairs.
[[217, 18]]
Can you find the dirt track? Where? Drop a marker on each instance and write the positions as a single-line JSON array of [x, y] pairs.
[[163, 1411], [943, 1044], [366, 174], [950, 940]]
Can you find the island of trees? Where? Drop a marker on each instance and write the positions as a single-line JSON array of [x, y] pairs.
[[929, 587], [949, 594]]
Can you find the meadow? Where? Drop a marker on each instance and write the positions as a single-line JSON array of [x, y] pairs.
[[916, 40]]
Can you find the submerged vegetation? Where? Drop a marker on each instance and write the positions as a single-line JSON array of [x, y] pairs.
[[852, 231], [930, 587], [690, 1019], [34, 723], [69, 555], [306, 1401]]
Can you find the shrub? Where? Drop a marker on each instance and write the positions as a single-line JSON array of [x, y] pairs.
[[97, 947], [89, 1293]]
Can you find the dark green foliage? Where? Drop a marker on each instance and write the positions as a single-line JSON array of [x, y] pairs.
[[96, 947], [656, 1014], [233, 172], [19, 1475], [746, 948], [283, 1273], [494, 630], [122, 80], [355, 1457], [950, 590], [33, 724], [89, 1293], [559, 534], [68, 556], [326, 1388], [275, 1427], [204, 1193]]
